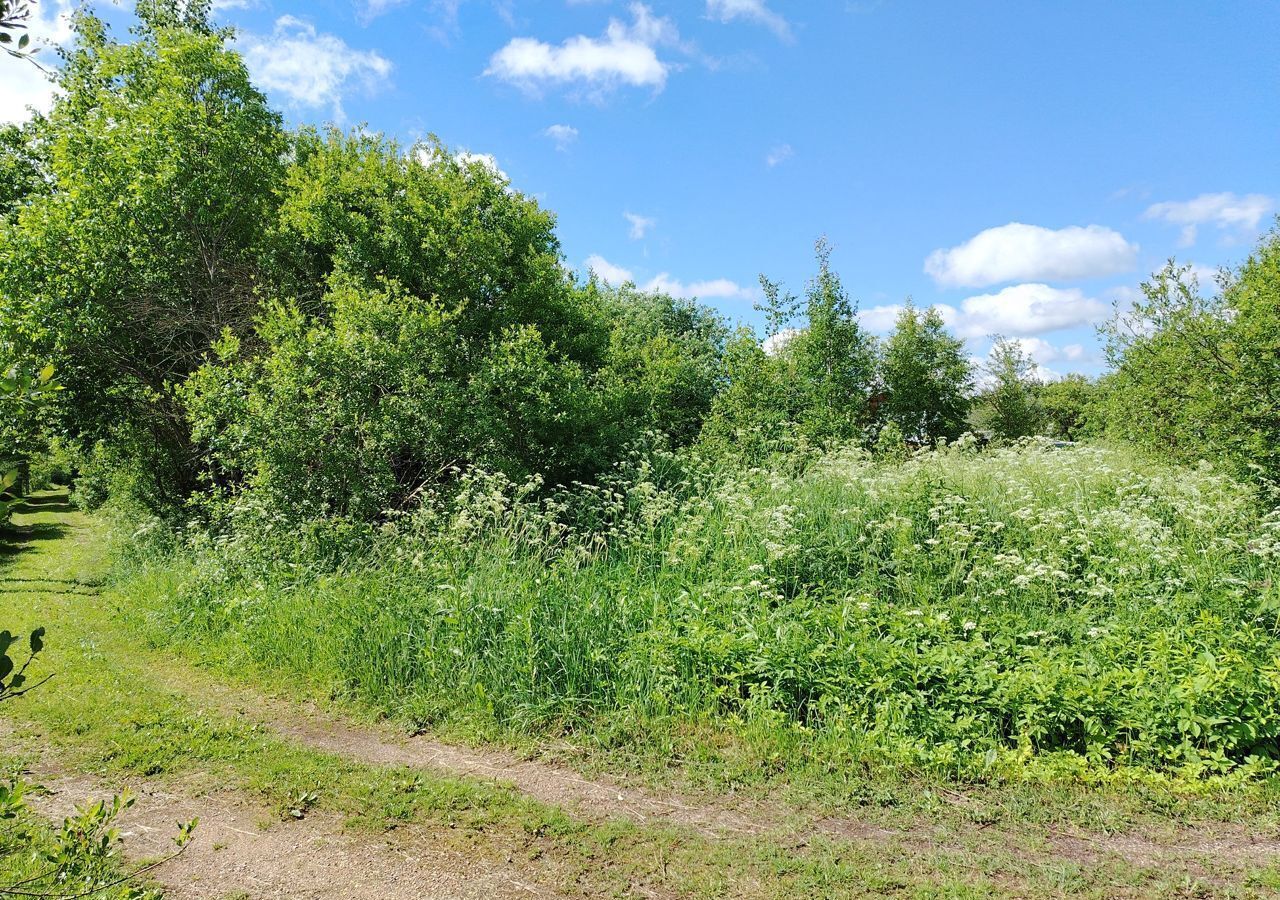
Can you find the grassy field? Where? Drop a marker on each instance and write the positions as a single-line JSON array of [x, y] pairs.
[[795, 646], [1022, 612]]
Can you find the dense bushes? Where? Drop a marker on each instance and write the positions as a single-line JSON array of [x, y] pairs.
[[959, 603], [138, 243], [1198, 376]]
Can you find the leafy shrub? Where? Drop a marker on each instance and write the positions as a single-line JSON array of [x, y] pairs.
[[79, 859], [1196, 372]]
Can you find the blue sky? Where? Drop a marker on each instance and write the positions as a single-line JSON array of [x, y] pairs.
[[1021, 164]]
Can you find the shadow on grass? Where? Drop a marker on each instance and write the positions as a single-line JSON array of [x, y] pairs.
[[51, 503], [68, 586], [15, 538]]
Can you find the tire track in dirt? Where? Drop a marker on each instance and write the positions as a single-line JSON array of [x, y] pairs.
[[240, 849], [598, 799], [593, 799]]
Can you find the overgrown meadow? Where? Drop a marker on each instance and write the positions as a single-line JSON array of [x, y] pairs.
[[963, 611], [365, 428]]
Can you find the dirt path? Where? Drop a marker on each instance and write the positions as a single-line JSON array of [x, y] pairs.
[[241, 849], [593, 799], [1202, 851]]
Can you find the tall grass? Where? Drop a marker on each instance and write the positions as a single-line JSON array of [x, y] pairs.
[[952, 609]]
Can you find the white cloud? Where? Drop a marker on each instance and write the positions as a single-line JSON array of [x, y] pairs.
[[779, 155], [882, 319], [1018, 252], [428, 155], [1225, 211], [309, 68], [715, 289], [1046, 355], [374, 8], [607, 271], [624, 55], [563, 135], [488, 160], [1206, 277], [772, 344], [752, 10], [25, 85], [1027, 309], [640, 225], [1040, 350]]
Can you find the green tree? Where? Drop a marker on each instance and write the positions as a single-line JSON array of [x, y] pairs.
[[21, 168], [1252, 439], [834, 358], [926, 376], [24, 400], [422, 321], [161, 162], [665, 362], [373, 210], [813, 383], [1070, 406], [1010, 406], [1197, 374]]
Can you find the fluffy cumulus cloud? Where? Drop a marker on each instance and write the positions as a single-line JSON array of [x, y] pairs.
[[607, 271], [428, 154], [713, 289], [1045, 353], [1018, 252], [24, 86], [1225, 211], [311, 69], [775, 342], [563, 135], [625, 55], [1027, 309], [640, 225], [757, 11], [1050, 361], [488, 160], [1206, 278]]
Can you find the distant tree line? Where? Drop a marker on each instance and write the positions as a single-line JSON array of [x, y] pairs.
[[336, 325]]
